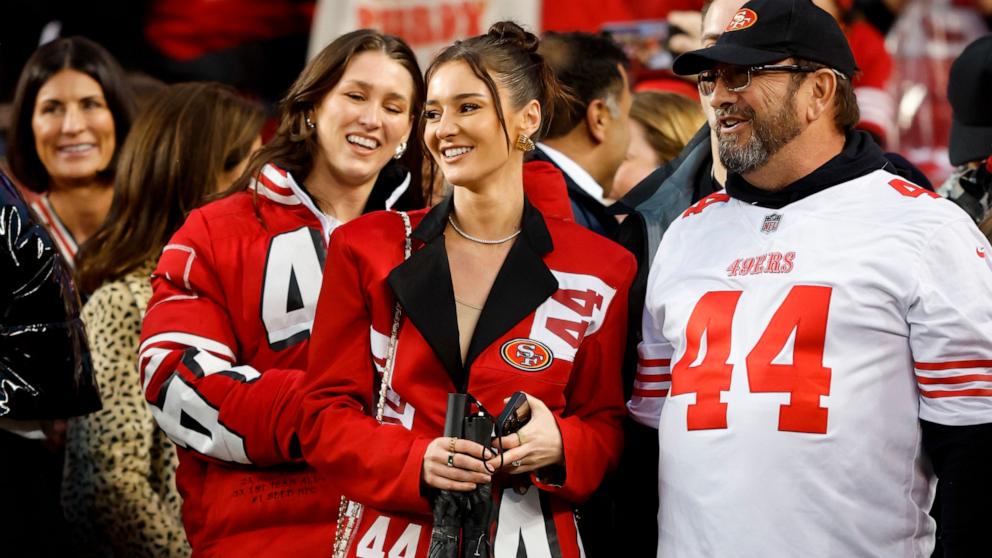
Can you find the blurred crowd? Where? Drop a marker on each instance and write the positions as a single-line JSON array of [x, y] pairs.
[[173, 170]]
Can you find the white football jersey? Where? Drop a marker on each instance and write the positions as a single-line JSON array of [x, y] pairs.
[[788, 356]]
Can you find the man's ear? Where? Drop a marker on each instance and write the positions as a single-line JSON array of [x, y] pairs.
[[598, 119], [821, 94]]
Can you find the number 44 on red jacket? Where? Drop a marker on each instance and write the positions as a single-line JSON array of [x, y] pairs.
[[553, 326]]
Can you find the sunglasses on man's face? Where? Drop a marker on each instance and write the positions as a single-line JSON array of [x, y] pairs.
[[738, 78]]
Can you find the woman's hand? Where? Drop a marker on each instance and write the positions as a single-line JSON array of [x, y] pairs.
[[536, 445], [454, 464]]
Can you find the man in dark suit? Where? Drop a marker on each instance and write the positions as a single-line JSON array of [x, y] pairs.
[[588, 135]]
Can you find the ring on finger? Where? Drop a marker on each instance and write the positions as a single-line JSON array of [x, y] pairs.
[[451, 445], [520, 438], [451, 460], [517, 462]]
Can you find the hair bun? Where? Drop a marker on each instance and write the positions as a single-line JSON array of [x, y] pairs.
[[508, 32]]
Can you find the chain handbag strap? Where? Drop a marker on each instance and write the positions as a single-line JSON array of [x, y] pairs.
[[349, 511]]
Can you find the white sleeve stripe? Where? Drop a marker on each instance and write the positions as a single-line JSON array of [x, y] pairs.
[[276, 177], [654, 351], [652, 385], [155, 358], [189, 261], [172, 298], [274, 196], [210, 364], [190, 340], [207, 362], [969, 387]]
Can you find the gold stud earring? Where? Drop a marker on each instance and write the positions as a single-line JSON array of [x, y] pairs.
[[524, 143]]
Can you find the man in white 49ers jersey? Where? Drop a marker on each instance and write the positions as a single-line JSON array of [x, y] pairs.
[[818, 338]]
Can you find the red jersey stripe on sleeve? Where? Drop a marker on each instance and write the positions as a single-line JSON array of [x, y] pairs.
[[654, 362], [932, 394], [638, 392], [953, 364], [963, 379], [953, 383]]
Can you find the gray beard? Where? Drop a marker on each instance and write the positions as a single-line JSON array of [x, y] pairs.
[[768, 136]]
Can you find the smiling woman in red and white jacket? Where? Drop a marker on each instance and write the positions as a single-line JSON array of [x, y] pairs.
[[225, 339], [496, 298]]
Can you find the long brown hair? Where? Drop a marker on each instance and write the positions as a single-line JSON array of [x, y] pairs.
[[190, 134], [72, 53], [294, 145]]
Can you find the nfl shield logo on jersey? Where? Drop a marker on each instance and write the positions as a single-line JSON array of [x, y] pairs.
[[770, 224]]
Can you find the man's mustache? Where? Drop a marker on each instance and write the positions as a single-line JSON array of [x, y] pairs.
[[742, 111]]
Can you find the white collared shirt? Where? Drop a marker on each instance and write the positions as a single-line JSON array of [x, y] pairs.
[[575, 172]]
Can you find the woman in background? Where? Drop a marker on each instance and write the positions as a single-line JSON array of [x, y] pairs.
[[226, 336], [119, 491], [72, 110], [661, 124]]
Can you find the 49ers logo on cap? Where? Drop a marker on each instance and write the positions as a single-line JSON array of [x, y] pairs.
[[527, 355], [742, 20]]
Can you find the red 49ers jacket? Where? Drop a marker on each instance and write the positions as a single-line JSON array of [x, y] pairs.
[[224, 345], [553, 326]]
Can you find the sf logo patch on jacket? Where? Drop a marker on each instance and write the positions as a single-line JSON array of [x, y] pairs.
[[526, 354]]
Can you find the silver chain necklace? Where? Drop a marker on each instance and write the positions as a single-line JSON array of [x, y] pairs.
[[467, 236]]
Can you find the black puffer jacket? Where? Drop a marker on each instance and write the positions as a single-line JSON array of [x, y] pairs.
[[45, 369]]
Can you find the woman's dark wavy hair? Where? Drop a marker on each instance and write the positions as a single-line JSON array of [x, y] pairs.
[[74, 53], [294, 145], [187, 137], [508, 54]]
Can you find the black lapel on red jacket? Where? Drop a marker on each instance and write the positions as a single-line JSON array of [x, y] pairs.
[[422, 284], [523, 283]]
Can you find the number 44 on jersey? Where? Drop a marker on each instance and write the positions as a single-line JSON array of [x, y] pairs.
[[804, 311]]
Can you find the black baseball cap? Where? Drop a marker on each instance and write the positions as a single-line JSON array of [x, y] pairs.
[[969, 90], [766, 31]]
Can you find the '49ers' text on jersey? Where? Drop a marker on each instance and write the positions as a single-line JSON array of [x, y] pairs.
[[787, 359]]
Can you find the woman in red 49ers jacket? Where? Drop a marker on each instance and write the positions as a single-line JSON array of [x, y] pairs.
[[496, 298], [224, 341]]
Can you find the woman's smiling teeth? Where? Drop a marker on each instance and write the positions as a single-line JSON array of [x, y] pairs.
[[453, 152], [76, 148], [367, 143]]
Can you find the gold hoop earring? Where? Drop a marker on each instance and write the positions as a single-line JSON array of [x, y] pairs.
[[524, 143]]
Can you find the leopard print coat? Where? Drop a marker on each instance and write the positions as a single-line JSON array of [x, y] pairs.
[[119, 491]]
